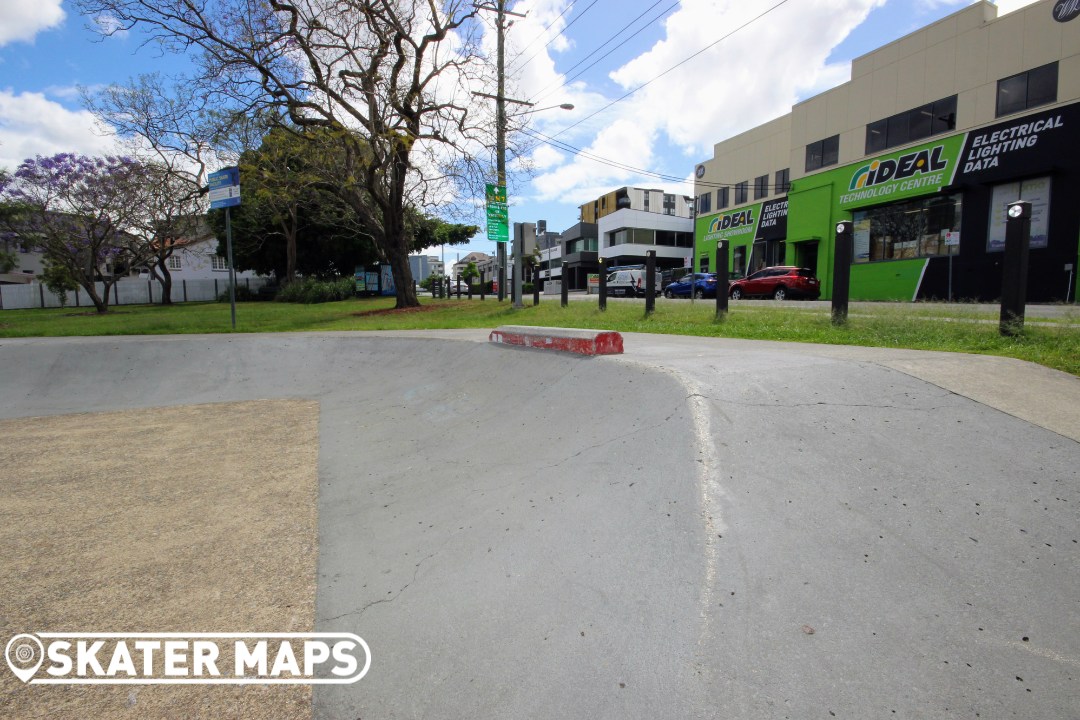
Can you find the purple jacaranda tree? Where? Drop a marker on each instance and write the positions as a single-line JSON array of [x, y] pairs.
[[79, 212]]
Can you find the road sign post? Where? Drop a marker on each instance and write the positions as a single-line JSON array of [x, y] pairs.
[[225, 193]]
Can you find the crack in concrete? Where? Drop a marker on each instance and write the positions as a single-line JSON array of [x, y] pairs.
[[373, 603]]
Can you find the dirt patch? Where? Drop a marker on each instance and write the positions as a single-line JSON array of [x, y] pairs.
[[189, 519], [397, 311]]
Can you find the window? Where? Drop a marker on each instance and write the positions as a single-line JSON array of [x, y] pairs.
[[218, 263], [1027, 90], [915, 124], [738, 261], [823, 153], [672, 238], [782, 182], [703, 264], [723, 198], [669, 204], [1034, 190], [740, 192], [704, 203], [761, 187], [647, 194], [172, 262], [924, 227]]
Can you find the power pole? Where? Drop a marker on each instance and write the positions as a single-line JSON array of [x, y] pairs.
[[500, 137]]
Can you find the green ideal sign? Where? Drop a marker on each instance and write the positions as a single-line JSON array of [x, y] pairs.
[[909, 173], [498, 217]]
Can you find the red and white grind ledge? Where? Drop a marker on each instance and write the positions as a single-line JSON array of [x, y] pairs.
[[582, 342]]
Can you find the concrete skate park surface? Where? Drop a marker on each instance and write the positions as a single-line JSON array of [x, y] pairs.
[[696, 528]]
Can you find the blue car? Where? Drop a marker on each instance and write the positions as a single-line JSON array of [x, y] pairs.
[[704, 286]]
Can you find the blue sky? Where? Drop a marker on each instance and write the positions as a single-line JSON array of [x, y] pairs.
[[796, 49]]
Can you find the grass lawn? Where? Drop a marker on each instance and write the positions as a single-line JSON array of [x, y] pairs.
[[921, 327]]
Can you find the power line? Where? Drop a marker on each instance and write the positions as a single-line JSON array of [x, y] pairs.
[[566, 147], [546, 28], [673, 67], [544, 93], [556, 35]]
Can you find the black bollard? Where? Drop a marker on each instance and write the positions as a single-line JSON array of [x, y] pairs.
[[650, 281], [603, 285], [841, 285], [565, 286], [721, 278], [1015, 272]]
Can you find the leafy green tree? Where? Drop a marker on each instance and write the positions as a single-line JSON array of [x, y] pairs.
[[58, 279], [470, 273], [386, 79]]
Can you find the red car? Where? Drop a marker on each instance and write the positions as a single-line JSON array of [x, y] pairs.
[[781, 282]]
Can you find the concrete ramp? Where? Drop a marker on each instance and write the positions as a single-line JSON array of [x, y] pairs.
[[695, 528]]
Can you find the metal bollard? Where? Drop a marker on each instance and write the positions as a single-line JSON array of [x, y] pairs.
[[841, 285]]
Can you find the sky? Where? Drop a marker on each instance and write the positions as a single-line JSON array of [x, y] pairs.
[[710, 69]]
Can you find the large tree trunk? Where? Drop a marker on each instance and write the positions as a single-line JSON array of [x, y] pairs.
[[403, 280], [165, 279], [84, 274], [290, 245]]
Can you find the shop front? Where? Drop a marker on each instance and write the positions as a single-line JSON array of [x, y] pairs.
[[929, 220], [756, 234]]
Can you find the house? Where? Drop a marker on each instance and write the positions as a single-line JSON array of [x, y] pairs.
[[485, 263]]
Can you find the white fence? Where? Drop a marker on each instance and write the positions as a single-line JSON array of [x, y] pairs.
[[126, 292]]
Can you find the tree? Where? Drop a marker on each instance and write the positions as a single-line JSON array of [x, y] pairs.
[[291, 221], [470, 273], [386, 78], [173, 129], [77, 211], [59, 281], [9, 213], [170, 212]]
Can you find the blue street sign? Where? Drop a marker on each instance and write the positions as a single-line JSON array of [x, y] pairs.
[[225, 188]]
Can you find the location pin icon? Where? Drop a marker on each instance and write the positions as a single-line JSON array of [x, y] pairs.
[[24, 654]]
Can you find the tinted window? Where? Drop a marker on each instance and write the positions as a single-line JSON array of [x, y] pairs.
[[1012, 94], [1037, 86], [921, 122], [875, 136], [1042, 85], [944, 115]]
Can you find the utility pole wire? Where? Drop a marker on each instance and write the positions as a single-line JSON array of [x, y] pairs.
[[576, 18], [566, 147], [673, 67], [544, 92]]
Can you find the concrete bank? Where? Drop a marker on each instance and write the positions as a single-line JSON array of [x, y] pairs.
[[695, 528]]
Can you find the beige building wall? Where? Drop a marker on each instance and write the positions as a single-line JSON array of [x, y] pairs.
[[761, 151], [964, 54]]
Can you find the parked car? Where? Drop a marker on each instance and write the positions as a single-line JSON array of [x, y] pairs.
[[781, 282], [629, 282], [704, 286]]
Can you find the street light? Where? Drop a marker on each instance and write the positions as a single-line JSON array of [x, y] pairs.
[[563, 106]]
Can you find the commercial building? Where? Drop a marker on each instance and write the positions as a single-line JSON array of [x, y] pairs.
[[631, 221], [922, 149], [423, 266]]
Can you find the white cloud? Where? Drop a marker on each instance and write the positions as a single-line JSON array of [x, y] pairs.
[[1008, 6], [31, 124], [110, 25], [23, 19], [752, 76]]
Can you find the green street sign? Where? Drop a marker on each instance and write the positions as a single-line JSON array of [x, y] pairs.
[[498, 216]]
